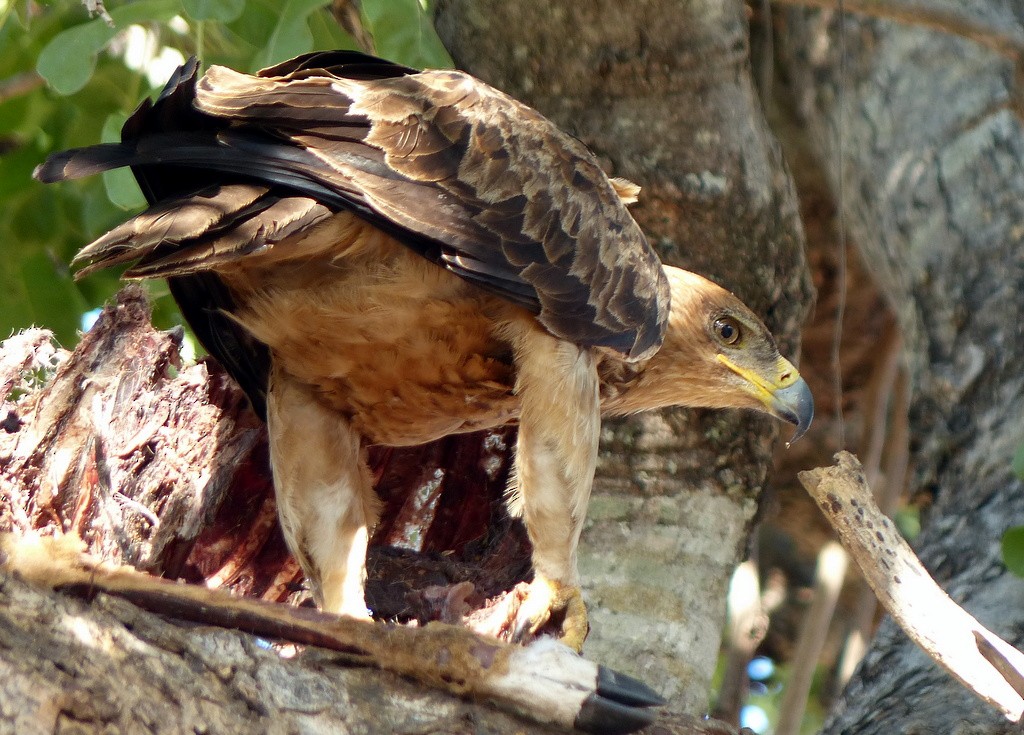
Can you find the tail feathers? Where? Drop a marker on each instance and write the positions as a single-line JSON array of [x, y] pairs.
[[254, 231], [168, 224], [211, 228], [78, 163]]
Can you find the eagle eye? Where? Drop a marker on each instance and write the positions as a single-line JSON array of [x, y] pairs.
[[727, 330]]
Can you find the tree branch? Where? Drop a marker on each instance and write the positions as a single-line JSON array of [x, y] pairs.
[[943, 629], [545, 681]]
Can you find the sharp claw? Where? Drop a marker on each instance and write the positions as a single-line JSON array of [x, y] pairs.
[[608, 717], [615, 686], [523, 629], [544, 597]]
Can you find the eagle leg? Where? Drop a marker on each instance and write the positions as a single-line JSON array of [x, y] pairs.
[[325, 497], [559, 427]]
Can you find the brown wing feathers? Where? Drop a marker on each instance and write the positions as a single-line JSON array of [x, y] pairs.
[[519, 207], [464, 175], [255, 229]]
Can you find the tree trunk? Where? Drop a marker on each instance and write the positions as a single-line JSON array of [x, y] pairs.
[[661, 91], [921, 133], [663, 94]]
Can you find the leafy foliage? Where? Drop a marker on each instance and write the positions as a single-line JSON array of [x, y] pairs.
[[1018, 462], [1013, 550], [402, 32], [69, 80], [1013, 539]]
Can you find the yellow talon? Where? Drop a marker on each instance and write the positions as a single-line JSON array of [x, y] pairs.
[[546, 597], [575, 626]]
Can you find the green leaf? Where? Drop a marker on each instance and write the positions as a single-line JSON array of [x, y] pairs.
[[122, 188], [223, 11], [1013, 550], [15, 311], [34, 219], [402, 31], [53, 297], [37, 290], [16, 171], [328, 33], [68, 61], [1018, 462], [908, 522], [291, 35]]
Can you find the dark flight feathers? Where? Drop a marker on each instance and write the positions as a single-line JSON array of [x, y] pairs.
[[462, 174]]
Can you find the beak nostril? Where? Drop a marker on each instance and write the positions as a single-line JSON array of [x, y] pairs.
[[785, 377]]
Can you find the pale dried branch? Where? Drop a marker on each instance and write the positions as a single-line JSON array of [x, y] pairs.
[[546, 681], [888, 490], [944, 630]]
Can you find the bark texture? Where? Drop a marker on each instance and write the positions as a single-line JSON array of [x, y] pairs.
[[662, 92], [931, 152], [69, 433], [113, 444], [185, 679]]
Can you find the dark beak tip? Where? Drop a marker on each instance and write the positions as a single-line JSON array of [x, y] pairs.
[[798, 408], [801, 429]]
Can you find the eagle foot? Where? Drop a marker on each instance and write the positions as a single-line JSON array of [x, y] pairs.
[[549, 601]]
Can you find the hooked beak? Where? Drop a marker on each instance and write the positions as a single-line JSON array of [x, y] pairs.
[[784, 394]]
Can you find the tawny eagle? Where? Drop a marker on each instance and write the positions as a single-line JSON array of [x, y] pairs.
[[384, 256]]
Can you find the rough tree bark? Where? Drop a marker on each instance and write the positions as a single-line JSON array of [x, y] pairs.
[[164, 466], [114, 437], [662, 91], [931, 151]]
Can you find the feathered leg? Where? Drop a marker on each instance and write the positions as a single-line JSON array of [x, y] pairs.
[[559, 427], [325, 496]]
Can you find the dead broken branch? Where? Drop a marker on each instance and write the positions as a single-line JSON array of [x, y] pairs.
[[977, 657], [545, 681]]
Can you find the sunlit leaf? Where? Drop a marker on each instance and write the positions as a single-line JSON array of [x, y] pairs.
[[69, 59], [328, 33], [402, 31], [1013, 550], [291, 35], [253, 27]]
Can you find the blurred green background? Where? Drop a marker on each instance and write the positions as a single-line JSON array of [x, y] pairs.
[[69, 78]]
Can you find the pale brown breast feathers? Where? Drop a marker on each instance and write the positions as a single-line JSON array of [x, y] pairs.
[[405, 350]]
